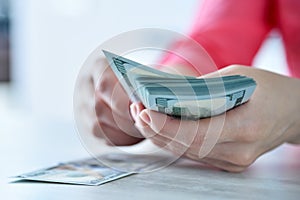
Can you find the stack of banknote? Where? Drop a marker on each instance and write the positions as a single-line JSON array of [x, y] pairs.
[[177, 95]]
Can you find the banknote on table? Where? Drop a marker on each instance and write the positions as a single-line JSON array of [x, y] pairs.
[[79, 173], [95, 171], [180, 96]]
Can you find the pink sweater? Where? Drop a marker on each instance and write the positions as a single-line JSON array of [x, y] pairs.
[[231, 31]]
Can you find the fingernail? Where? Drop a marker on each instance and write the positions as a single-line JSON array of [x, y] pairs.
[[133, 110], [145, 117]]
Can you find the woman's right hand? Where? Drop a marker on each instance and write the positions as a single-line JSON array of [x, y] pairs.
[[103, 94]]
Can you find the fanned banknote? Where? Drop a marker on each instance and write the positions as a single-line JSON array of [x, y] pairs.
[[180, 96]]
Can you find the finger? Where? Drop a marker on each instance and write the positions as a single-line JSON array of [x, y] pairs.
[[205, 133], [222, 127], [176, 148], [96, 69], [169, 127], [109, 117], [112, 93], [135, 110], [105, 81], [104, 113], [84, 92], [114, 136], [97, 131], [200, 136]]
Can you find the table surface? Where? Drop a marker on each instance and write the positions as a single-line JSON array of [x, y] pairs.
[[28, 143]]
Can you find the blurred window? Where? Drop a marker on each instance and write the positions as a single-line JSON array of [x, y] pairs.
[[4, 40]]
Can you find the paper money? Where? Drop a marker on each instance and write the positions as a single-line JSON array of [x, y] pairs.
[[79, 173], [180, 96], [97, 171]]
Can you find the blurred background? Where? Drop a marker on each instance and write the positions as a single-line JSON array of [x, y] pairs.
[[44, 43]]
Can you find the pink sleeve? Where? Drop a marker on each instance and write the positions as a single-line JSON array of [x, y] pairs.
[[231, 32], [288, 15]]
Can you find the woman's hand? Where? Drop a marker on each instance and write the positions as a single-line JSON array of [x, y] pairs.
[[238, 137], [101, 93]]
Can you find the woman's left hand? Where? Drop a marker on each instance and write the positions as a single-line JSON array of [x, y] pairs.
[[234, 140]]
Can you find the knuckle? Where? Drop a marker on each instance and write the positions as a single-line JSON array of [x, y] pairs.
[[99, 106], [105, 81], [103, 84], [97, 130]]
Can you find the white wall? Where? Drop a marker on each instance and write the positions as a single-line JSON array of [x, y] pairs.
[[52, 38]]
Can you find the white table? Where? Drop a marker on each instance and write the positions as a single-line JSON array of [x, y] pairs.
[[28, 143]]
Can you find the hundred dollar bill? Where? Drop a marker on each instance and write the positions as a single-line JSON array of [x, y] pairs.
[[79, 173], [97, 171], [180, 96]]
